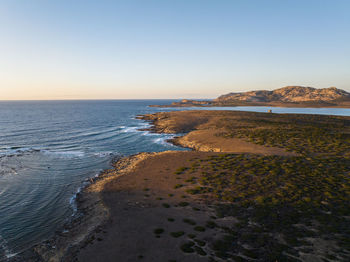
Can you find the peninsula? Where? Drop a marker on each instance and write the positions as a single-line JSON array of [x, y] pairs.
[[290, 96]]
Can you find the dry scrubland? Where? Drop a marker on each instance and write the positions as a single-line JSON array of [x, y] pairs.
[[268, 188], [289, 208]]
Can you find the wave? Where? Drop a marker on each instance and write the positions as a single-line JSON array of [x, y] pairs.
[[73, 199], [163, 140], [73, 202], [130, 129], [65, 154], [103, 154], [134, 129], [5, 252], [20, 151], [16, 151]]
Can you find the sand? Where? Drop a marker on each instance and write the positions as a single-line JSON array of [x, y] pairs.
[[136, 209]]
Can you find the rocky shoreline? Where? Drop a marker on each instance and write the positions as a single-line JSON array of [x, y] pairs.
[[90, 216], [199, 133]]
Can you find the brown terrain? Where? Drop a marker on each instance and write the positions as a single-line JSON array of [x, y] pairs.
[[206, 134], [257, 187], [290, 96]]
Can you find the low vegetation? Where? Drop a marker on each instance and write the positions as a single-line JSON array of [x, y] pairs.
[[283, 204], [303, 134], [269, 208]]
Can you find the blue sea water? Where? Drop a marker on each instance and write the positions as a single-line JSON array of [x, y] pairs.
[[48, 149]]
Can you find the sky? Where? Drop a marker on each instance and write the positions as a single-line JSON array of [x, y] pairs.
[[170, 48]]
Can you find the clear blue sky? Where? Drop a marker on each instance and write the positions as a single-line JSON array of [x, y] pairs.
[[170, 49]]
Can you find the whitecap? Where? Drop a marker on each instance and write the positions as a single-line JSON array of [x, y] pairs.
[[7, 151], [163, 140], [103, 154], [72, 200], [65, 154], [4, 249], [130, 129]]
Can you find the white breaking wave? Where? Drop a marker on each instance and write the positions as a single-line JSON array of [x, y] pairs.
[[103, 154], [16, 151], [130, 129], [5, 252], [163, 140], [65, 154], [72, 200]]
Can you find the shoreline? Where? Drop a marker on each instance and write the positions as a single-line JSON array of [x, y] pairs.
[[281, 105], [90, 215], [124, 204]]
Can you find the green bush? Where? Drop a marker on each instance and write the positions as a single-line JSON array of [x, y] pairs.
[[177, 234]]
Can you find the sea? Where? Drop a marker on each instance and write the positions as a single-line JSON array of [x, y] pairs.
[[49, 149]]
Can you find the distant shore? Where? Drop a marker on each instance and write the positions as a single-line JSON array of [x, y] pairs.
[[211, 103]]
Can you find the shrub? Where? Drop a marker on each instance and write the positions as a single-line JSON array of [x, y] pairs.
[[177, 234], [199, 228], [187, 247], [200, 251], [211, 224], [158, 231], [178, 186], [189, 221]]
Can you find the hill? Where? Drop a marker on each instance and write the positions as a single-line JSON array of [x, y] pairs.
[[288, 94]]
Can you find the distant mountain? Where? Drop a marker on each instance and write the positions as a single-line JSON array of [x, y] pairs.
[[294, 94]]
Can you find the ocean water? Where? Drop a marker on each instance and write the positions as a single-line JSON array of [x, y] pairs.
[[48, 149]]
